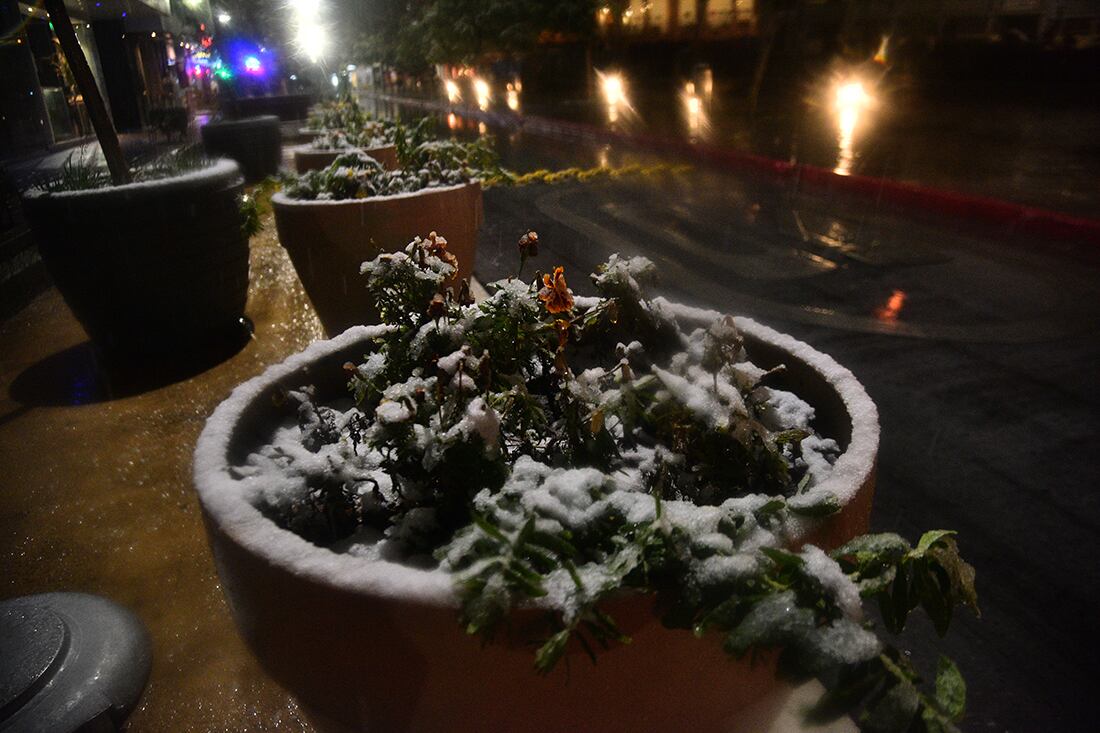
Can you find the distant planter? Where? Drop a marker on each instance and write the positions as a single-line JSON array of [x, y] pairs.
[[254, 142], [286, 107], [374, 643], [307, 158], [329, 240], [150, 266]]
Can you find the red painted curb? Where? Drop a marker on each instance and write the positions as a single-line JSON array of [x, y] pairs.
[[1015, 218]]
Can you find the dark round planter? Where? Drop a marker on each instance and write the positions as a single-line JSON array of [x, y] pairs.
[[148, 267], [284, 106], [255, 143]]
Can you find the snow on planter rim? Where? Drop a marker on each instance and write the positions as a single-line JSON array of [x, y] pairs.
[[222, 167], [282, 199], [222, 495]]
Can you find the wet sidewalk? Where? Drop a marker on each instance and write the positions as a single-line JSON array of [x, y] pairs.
[[96, 490]]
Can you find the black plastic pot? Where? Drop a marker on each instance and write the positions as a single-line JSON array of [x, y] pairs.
[[255, 143], [149, 268]]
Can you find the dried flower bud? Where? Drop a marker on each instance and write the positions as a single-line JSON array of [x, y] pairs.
[[626, 372], [485, 369], [437, 308], [529, 244], [562, 327], [465, 295]]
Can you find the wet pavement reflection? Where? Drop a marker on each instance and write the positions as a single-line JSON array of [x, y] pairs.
[[857, 118]]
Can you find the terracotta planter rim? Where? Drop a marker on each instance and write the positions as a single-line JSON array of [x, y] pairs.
[[219, 169], [281, 199], [226, 504]]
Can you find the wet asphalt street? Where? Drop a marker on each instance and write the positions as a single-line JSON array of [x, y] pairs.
[[980, 349]]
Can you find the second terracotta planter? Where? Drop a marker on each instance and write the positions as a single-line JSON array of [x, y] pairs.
[[329, 240]]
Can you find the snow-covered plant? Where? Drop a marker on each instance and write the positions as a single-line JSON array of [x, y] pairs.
[[331, 140], [552, 450], [82, 170], [373, 134], [339, 114], [428, 165]]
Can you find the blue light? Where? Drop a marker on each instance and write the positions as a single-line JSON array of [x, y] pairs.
[[252, 65]]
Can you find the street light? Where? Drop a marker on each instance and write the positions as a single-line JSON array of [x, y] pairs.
[[850, 101], [614, 94], [224, 18], [309, 34]]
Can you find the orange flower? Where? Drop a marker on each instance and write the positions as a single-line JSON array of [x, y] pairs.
[[555, 293]]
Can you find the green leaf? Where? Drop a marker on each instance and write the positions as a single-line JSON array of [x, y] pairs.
[[873, 586], [782, 558], [865, 549], [934, 598], [770, 507], [928, 539], [487, 527], [821, 505], [901, 602], [960, 574], [550, 652], [950, 689]]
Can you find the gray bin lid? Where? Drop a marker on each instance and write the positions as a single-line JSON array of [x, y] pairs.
[[67, 660]]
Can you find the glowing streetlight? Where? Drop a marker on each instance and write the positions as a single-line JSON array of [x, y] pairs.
[[850, 101], [224, 18], [482, 92], [613, 89], [512, 97], [309, 33], [614, 95], [453, 92]]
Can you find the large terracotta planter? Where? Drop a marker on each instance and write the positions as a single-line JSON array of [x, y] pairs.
[[150, 266], [329, 240], [255, 143], [377, 645], [307, 158]]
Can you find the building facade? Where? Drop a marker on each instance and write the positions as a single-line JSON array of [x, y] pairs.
[[136, 50]]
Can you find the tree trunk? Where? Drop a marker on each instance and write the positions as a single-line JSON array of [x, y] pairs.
[[85, 82]]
